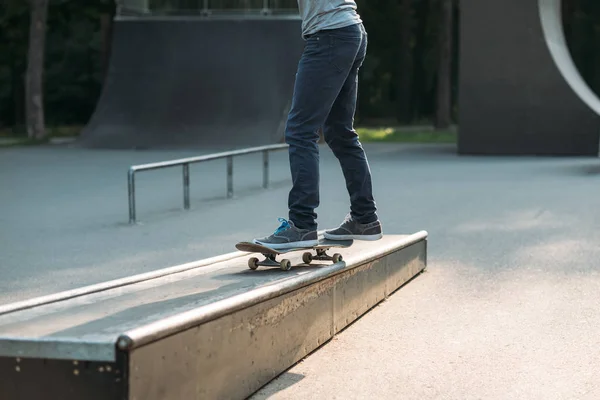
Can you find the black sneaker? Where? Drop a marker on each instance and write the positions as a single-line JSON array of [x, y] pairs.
[[288, 236], [353, 230]]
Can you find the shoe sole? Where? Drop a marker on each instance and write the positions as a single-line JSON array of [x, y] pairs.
[[291, 245], [353, 237]]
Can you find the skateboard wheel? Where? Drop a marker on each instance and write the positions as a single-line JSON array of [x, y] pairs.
[[337, 258], [307, 258], [253, 263], [285, 264]]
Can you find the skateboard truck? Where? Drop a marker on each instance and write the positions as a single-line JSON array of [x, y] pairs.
[[321, 256], [270, 261]]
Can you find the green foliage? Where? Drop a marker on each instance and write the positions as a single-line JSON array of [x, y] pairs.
[[383, 69], [377, 85], [406, 135], [14, 21], [582, 29], [73, 72], [73, 66]]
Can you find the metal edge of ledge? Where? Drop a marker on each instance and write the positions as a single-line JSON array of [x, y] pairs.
[[60, 349], [100, 287], [160, 329], [254, 344]]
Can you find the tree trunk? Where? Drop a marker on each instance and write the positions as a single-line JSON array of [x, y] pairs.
[[403, 90], [444, 95], [106, 26], [18, 98], [420, 76], [36, 128]]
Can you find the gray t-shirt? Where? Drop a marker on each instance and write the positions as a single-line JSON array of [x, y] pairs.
[[327, 14]]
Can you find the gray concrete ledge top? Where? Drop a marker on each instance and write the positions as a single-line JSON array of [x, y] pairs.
[[88, 324]]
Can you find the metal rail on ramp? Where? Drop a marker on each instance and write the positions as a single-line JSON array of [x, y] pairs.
[[218, 331], [185, 163]]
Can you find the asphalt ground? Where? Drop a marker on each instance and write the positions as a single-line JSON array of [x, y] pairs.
[[508, 308]]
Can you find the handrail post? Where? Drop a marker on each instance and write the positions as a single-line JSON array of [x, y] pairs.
[[265, 169], [229, 177], [185, 164], [186, 186], [131, 193]]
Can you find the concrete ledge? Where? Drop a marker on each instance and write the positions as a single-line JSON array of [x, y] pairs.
[[228, 347], [86, 290]]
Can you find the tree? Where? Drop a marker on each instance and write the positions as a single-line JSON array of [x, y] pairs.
[[405, 62], [34, 87], [106, 10], [444, 78]]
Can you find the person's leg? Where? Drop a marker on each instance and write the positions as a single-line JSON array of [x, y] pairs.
[[322, 71], [362, 222]]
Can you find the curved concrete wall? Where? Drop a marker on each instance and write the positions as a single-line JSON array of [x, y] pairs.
[[514, 98], [554, 33]]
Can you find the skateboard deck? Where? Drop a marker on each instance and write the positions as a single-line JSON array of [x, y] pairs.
[[270, 254]]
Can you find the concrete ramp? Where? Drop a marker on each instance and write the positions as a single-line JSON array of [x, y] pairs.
[[207, 330], [520, 93], [218, 82], [554, 34]]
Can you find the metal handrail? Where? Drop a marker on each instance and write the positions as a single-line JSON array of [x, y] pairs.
[[185, 162]]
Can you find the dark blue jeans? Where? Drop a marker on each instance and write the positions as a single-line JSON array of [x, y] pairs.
[[325, 95]]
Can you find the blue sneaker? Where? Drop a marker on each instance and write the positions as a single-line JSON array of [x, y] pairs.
[[288, 236]]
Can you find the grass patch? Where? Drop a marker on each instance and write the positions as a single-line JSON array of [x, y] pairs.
[[409, 134], [18, 136], [17, 141], [52, 131], [8, 141], [65, 131], [406, 135]]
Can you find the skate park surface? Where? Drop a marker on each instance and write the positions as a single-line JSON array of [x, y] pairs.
[[506, 309]]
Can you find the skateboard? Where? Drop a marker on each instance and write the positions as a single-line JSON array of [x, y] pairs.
[[285, 264]]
